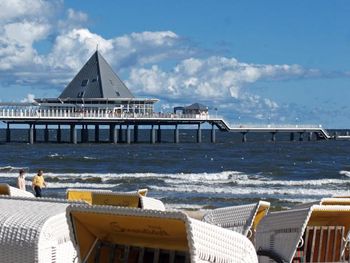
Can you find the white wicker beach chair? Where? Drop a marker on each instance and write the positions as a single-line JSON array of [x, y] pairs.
[[242, 219], [135, 199], [35, 230], [106, 233], [324, 201], [5, 189], [314, 234]]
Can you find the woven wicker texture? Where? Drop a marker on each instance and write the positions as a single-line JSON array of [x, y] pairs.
[[206, 243], [281, 232], [34, 231], [237, 218], [5, 189]]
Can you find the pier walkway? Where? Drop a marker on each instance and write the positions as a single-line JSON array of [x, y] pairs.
[[35, 116]]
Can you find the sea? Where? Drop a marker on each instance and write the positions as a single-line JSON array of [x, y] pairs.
[[187, 175]]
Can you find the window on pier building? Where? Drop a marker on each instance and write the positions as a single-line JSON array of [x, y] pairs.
[[84, 82]]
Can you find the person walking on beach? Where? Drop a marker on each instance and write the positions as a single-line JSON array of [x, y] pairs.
[[21, 182], [38, 183]]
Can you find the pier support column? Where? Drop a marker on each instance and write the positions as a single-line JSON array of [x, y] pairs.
[[59, 134], [301, 136], [97, 133], [112, 134], [136, 133], [244, 136], [34, 132], [176, 134], [31, 134], [82, 133], [159, 134], [213, 136], [128, 134], [199, 134], [73, 134], [311, 135], [291, 138], [273, 136], [152, 135], [120, 134], [46, 133], [8, 133]]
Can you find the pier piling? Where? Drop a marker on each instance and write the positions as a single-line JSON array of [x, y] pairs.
[[136, 133], [213, 137], [176, 134], [199, 134], [301, 136], [291, 138], [310, 136], [273, 136], [34, 133], [59, 134], [244, 137], [46, 134], [73, 134], [128, 135], [153, 135], [113, 134], [120, 134], [8, 133], [97, 133], [159, 134], [31, 134]]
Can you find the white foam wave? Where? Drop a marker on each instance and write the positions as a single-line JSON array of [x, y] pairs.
[[80, 185], [346, 173]]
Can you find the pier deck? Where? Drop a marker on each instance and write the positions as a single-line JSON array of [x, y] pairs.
[[26, 115]]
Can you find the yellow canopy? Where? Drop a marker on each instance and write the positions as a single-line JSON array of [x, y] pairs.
[[92, 197], [115, 228]]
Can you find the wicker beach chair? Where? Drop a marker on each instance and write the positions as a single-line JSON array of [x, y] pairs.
[[35, 230], [135, 199], [242, 219], [314, 234], [5, 189], [129, 235]]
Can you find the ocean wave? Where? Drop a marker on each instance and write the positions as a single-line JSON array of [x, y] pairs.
[[346, 173], [11, 168]]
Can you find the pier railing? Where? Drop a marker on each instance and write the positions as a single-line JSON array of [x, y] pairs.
[[90, 114]]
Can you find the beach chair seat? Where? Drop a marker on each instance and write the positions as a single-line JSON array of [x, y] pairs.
[[313, 234], [137, 199], [35, 230], [119, 234], [242, 219], [6, 189]]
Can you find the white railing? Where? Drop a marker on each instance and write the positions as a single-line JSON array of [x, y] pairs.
[[90, 114]]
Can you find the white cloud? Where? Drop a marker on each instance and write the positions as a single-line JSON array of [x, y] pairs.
[[210, 78], [29, 98]]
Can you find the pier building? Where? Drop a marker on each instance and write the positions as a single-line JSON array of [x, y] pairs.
[[97, 96]]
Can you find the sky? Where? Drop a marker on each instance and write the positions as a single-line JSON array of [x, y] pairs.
[[256, 62]]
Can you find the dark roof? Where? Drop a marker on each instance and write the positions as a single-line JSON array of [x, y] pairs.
[[96, 79], [196, 106]]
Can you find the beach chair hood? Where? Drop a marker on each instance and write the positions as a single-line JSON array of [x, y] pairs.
[[34, 231], [158, 230], [281, 232], [5, 189], [241, 219]]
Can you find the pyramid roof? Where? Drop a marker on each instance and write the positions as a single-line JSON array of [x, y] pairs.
[[96, 79]]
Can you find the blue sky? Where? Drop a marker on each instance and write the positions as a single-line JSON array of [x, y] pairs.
[[256, 61]]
